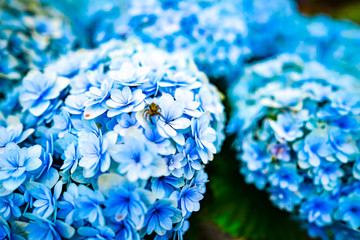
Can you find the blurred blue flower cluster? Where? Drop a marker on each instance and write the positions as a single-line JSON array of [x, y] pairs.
[[108, 143], [223, 36], [298, 137], [31, 35]]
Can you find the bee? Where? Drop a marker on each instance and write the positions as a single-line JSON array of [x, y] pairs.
[[152, 110]]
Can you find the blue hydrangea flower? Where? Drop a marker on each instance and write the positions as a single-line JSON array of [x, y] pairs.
[[9, 205], [297, 137], [126, 202], [287, 127], [284, 198], [88, 205], [286, 177], [319, 210], [188, 199], [99, 162], [126, 230], [13, 133], [125, 101], [72, 156], [161, 217], [67, 205], [125, 122], [138, 159], [45, 203], [205, 137], [94, 151], [96, 105], [171, 118], [16, 163], [348, 211], [41, 228], [39, 89]]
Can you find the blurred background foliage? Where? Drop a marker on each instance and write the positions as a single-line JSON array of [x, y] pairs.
[[234, 210]]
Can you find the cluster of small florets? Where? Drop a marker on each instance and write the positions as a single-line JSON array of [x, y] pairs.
[[30, 36], [298, 137], [220, 50], [111, 144], [248, 29]]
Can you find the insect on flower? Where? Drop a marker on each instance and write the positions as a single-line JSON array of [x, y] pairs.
[[152, 110]]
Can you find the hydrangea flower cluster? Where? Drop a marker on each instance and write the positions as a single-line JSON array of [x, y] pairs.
[[93, 22], [30, 35], [111, 144], [220, 50], [297, 134]]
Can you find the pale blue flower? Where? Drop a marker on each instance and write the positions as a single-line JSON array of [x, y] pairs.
[[130, 74], [163, 145], [67, 204], [286, 177], [89, 205], [39, 89], [13, 133], [286, 127], [328, 175], [192, 105], [189, 157], [46, 202], [349, 211], [205, 137], [125, 122], [255, 155], [161, 217], [280, 152], [41, 228], [284, 198], [126, 202], [125, 101], [176, 78], [344, 146], [47, 174], [315, 147], [188, 199], [96, 105], [318, 210], [163, 187], [9, 205], [345, 103], [126, 231], [94, 151], [72, 156], [138, 159], [75, 104], [62, 123], [16, 163], [171, 119]]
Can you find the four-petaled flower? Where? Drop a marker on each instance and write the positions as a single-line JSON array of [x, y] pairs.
[[125, 101]]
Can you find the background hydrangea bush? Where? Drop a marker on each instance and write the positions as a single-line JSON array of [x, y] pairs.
[[31, 35], [87, 158], [297, 128]]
